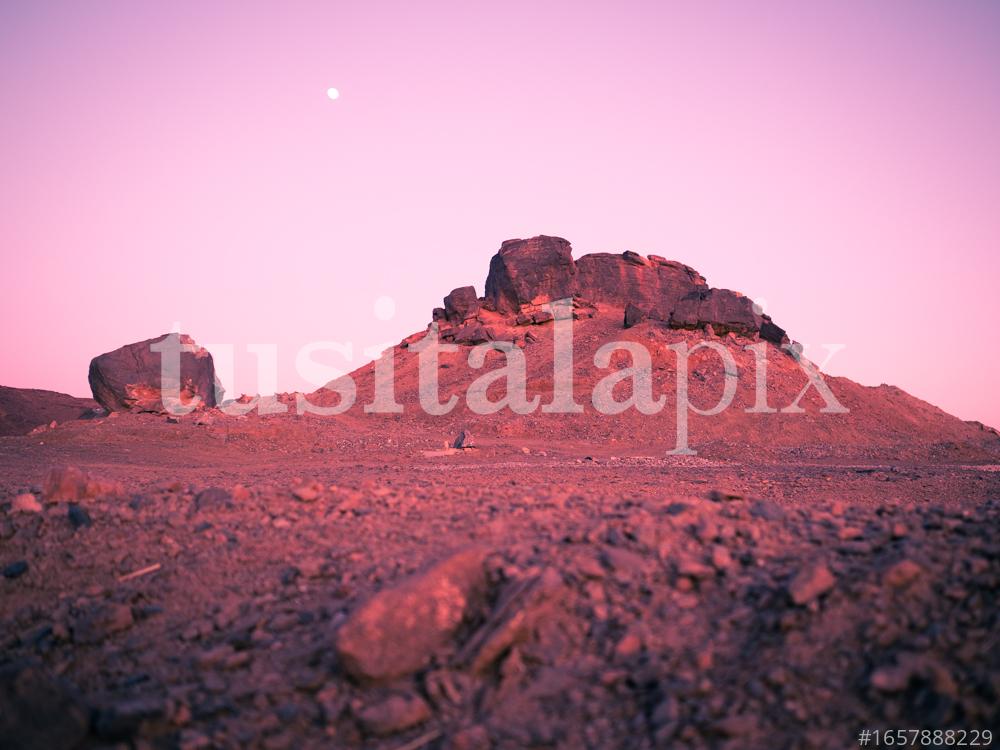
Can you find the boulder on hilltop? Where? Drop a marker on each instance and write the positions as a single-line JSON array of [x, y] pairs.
[[526, 275], [130, 378]]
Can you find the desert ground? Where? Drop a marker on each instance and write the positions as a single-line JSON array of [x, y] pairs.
[[607, 596]]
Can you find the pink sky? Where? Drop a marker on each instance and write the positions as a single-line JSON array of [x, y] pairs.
[[175, 162]]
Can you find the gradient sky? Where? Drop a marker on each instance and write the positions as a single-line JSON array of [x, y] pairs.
[[181, 162]]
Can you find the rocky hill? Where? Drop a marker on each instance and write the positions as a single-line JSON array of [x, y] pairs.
[[659, 304]]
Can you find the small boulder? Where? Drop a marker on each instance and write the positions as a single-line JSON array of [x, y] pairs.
[[461, 305], [398, 630], [464, 441]]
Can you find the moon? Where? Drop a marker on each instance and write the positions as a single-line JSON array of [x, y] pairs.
[[333, 93]]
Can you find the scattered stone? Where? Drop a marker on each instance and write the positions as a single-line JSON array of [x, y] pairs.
[[212, 499], [308, 492], [811, 583], [902, 574], [16, 569], [78, 517], [464, 440], [101, 620], [26, 503], [394, 714], [397, 631], [68, 483]]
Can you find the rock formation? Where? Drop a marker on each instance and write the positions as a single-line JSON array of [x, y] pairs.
[[129, 378], [526, 275]]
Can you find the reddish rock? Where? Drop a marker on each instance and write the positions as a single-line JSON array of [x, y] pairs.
[[654, 286], [526, 274], [397, 631], [811, 583], [530, 272], [68, 483], [129, 378], [725, 311], [394, 714], [902, 574], [461, 305]]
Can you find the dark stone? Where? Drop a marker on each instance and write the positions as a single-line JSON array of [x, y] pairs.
[[472, 333], [633, 315], [39, 711], [123, 720], [726, 311], [464, 440], [16, 569], [129, 378], [212, 498], [532, 271], [78, 517], [461, 305]]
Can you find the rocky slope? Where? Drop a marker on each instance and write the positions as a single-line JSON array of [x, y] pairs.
[[24, 409], [670, 305]]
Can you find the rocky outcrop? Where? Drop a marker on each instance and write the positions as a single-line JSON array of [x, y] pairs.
[[24, 409], [654, 286], [725, 311], [129, 378], [461, 305], [526, 275], [530, 272]]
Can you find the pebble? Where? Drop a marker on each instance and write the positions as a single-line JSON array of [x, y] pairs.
[[26, 503], [810, 583], [16, 569]]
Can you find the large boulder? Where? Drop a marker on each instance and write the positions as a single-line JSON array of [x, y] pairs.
[[726, 311], [652, 284], [461, 305], [130, 378], [531, 271], [24, 409]]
